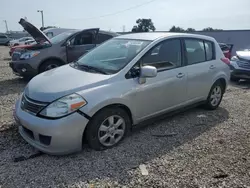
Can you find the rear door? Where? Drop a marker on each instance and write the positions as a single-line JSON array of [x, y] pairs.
[[81, 43], [201, 67]]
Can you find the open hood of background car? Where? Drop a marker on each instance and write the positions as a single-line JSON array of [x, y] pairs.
[[36, 33]]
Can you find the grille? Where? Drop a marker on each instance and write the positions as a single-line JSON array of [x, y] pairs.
[[243, 64], [28, 132], [32, 106]]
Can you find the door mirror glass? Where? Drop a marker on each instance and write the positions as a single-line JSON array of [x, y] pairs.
[[68, 43], [148, 72]]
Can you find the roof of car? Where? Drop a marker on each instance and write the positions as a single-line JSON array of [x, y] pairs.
[[155, 35], [114, 34]]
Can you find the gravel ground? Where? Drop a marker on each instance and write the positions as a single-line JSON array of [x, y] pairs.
[[195, 148]]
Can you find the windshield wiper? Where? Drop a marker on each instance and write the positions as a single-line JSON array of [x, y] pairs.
[[91, 68]]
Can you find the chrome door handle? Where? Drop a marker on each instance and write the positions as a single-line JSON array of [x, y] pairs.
[[180, 75], [212, 67]]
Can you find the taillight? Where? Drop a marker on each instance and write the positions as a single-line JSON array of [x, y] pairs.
[[225, 60]]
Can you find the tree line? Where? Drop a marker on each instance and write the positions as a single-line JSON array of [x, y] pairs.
[[146, 25]]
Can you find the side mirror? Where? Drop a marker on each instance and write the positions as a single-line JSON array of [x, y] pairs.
[[68, 43], [148, 72]]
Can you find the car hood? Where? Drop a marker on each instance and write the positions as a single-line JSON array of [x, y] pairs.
[[36, 33], [244, 54], [56, 83]]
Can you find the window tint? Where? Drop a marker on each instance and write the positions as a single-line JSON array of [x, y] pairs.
[[165, 55], [82, 39], [102, 38], [195, 51], [209, 50]]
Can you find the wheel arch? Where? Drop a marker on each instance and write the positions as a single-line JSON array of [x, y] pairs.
[[114, 105], [49, 59], [223, 83]]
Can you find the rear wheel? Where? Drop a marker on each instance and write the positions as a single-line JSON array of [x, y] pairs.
[[107, 128], [215, 96], [50, 64]]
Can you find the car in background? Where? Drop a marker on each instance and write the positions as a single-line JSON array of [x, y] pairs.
[[27, 44], [226, 49], [120, 83], [59, 50], [240, 65], [21, 41], [52, 32], [4, 39]]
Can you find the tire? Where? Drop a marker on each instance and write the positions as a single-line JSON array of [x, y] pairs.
[[234, 79], [16, 44], [49, 64], [215, 96], [27, 78], [99, 139]]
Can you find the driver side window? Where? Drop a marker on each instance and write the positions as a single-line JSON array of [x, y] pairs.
[[82, 39], [166, 55]]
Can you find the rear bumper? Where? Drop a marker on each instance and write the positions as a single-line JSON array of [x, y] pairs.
[[244, 74], [21, 68]]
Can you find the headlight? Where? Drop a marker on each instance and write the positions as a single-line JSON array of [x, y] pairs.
[[28, 55], [63, 106], [234, 58]]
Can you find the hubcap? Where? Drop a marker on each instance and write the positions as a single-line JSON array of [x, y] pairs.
[[111, 130], [51, 66], [215, 96]]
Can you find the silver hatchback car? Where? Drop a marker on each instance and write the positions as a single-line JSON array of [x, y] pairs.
[[122, 82]]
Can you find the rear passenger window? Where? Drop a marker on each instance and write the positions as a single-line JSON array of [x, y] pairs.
[[195, 51], [166, 55], [209, 50]]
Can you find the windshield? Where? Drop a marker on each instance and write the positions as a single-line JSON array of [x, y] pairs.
[[113, 55], [58, 38]]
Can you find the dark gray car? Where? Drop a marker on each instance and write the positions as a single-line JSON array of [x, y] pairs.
[[51, 53]]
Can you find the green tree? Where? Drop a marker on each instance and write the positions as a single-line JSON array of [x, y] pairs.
[[190, 30], [143, 25], [176, 29], [211, 29]]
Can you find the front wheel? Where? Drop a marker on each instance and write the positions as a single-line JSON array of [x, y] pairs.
[[48, 65], [107, 128], [215, 96]]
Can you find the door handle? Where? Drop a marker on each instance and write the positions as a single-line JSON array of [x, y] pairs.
[[180, 75], [212, 67]]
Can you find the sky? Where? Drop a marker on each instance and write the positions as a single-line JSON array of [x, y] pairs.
[[115, 14]]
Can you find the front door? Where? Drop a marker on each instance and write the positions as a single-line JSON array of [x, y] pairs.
[[81, 43], [168, 89]]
